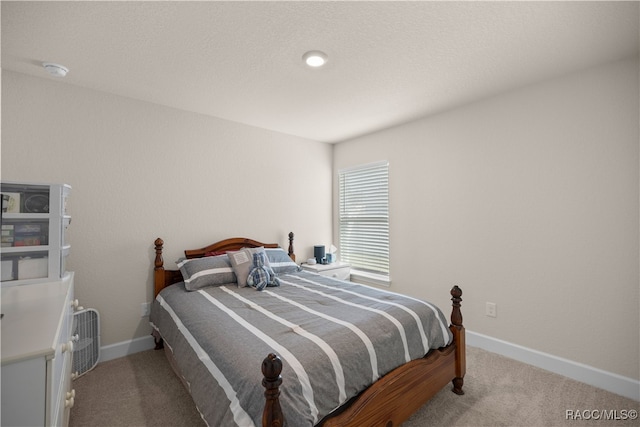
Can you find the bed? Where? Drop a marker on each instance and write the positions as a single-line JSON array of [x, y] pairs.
[[337, 353]]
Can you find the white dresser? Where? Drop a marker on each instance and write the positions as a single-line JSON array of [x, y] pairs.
[[337, 270], [37, 350]]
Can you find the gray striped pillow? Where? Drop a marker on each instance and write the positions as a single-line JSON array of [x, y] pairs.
[[199, 273], [280, 261]]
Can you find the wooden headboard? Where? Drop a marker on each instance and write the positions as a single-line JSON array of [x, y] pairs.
[[163, 278]]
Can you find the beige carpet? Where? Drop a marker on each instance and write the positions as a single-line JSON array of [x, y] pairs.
[[141, 390]]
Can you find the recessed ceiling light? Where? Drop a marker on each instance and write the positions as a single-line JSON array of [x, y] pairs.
[[56, 70], [315, 58]]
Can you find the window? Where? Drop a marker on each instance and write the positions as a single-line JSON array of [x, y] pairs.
[[364, 219]]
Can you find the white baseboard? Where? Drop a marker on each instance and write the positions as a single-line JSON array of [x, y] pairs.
[[609, 381], [125, 348]]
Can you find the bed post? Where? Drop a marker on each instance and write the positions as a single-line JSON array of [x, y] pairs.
[[271, 368], [291, 252], [158, 282], [459, 339], [158, 271]]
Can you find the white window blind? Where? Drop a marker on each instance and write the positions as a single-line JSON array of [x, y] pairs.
[[364, 217]]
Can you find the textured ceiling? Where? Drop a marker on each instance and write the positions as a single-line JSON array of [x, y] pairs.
[[389, 62]]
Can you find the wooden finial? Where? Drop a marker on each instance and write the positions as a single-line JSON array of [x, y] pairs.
[[271, 368], [291, 252], [159, 262], [456, 314]]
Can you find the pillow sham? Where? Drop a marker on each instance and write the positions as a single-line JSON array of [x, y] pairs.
[[215, 253], [199, 273], [242, 263], [280, 262]]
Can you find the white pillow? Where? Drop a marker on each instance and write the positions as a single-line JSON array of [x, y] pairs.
[[242, 262]]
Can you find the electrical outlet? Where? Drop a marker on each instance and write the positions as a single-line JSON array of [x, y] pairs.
[[145, 309], [491, 309]]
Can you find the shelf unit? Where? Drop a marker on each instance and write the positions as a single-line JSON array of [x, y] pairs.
[[34, 223]]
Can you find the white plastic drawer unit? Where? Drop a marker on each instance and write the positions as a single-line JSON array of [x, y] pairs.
[[37, 351], [34, 225]]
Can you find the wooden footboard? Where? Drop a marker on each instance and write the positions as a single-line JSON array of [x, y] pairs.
[[396, 396]]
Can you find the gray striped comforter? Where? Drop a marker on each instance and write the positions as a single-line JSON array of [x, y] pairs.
[[334, 338]]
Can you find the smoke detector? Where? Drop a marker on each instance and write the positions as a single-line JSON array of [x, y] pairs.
[[55, 70]]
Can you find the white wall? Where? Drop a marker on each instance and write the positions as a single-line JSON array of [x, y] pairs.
[[141, 171], [529, 200]]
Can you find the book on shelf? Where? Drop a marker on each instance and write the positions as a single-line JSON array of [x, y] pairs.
[[27, 241], [27, 229], [24, 234], [7, 235], [5, 202], [10, 202]]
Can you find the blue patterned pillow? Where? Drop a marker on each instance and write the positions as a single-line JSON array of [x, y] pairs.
[[199, 273], [280, 261]]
